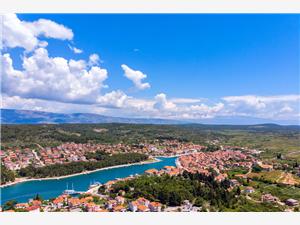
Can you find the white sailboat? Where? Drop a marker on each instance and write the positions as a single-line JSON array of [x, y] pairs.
[[69, 191]]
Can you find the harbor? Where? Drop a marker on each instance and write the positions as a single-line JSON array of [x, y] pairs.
[[22, 192]]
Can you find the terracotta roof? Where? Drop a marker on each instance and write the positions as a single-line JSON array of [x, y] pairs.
[[58, 200], [155, 204], [118, 208], [36, 202], [74, 201], [134, 203], [151, 171], [102, 210], [142, 208], [31, 208], [21, 205]]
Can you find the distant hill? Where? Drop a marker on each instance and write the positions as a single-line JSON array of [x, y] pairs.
[[13, 116], [245, 120]]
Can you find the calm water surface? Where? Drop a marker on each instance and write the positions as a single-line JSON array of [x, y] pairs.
[[22, 192]]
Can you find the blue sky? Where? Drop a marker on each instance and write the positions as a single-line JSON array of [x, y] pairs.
[[240, 61]]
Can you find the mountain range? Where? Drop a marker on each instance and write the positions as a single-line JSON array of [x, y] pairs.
[[14, 116]]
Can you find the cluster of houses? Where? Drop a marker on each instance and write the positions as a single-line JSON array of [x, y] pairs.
[[170, 170], [17, 158], [269, 198], [265, 167], [144, 205], [31, 206], [91, 203], [87, 203], [218, 161], [172, 147], [68, 152]]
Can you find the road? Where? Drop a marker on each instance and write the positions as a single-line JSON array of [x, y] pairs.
[[36, 156]]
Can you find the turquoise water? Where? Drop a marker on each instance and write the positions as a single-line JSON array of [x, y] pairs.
[[22, 192]]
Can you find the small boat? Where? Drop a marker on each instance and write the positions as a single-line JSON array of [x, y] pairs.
[[70, 191], [94, 184]]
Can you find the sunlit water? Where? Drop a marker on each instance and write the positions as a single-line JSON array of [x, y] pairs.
[[22, 192]]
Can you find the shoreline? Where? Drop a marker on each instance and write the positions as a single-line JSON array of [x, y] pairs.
[[23, 180], [172, 156], [178, 164]]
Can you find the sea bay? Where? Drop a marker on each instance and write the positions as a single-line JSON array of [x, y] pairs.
[[22, 192]]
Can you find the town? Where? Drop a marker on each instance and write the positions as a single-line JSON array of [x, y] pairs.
[[17, 158], [218, 164]]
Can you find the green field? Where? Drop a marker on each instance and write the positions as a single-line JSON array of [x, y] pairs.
[[275, 176], [283, 192], [244, 205]]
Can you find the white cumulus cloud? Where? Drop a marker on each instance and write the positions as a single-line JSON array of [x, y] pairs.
[[17, 33], [136, 77], [273, 107], [162, 103], [52, 78], [75, 50], [16, 102], [94, 59], [185, 100], [260, 101], [113, 99], [49, 29]]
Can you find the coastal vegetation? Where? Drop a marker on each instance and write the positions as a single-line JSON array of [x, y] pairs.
[[57, 170], [202, 191], [173, 190], [6, 175]]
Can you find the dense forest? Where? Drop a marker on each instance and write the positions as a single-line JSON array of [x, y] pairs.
[[200, 190], [77, 167], [172, 191]]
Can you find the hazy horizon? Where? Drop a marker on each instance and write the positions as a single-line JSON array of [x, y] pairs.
[[213, 121]]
